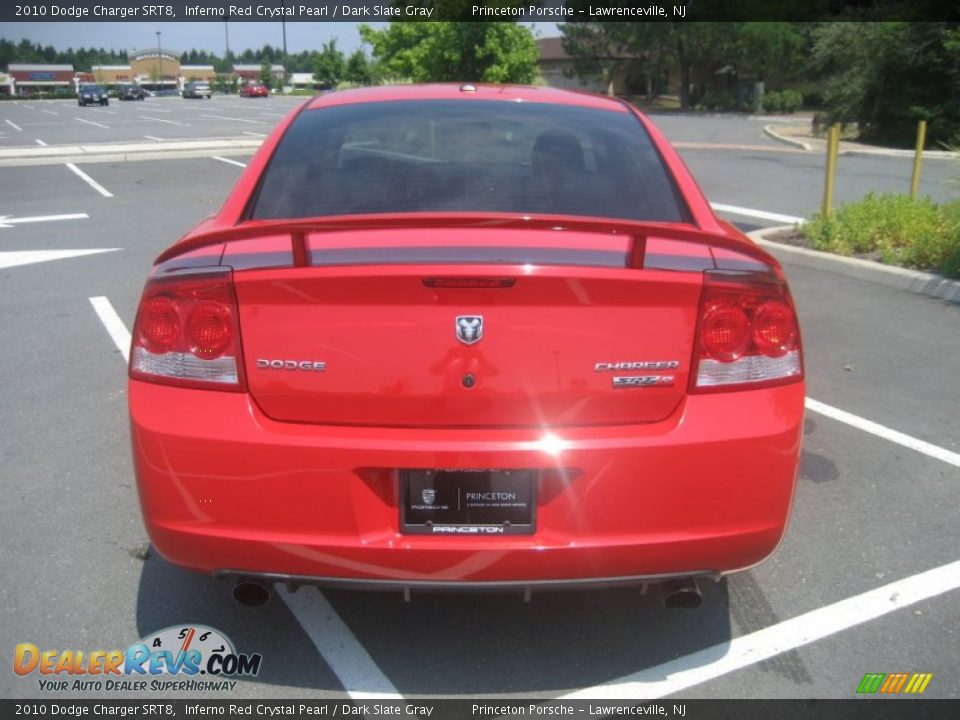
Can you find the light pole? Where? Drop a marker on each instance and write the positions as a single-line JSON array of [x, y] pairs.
[[160, 62], [284, 23], [226, 59]]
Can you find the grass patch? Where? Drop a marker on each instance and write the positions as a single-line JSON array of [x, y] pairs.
[[895, 229]]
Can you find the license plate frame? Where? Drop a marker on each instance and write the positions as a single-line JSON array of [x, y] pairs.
[[468, 502]]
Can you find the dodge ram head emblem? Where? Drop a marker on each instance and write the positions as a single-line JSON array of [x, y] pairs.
[[469, 328]]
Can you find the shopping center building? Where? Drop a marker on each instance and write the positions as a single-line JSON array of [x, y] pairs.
[[155, 69]]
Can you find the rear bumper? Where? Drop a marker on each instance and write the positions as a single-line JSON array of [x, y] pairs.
[[224, 489]]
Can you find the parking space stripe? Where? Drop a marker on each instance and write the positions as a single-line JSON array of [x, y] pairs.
[[256, 134], [153, 137], [91, 122], [163, 120], [228, 160], [50, 112], [356, 670], [40, 142], [114, 325], [90, 181], [224, 117], [881, 431], [761, 214], [16, 258], [13, 125], [713, 662]]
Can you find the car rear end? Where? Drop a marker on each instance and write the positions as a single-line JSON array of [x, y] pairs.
[[446, 340]]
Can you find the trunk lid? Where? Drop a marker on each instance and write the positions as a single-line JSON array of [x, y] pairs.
[[358, 337]]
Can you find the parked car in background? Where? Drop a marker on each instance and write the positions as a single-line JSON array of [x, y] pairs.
[[132, 92], [197, 89], [90, 94], [472, 337], [254, 89]]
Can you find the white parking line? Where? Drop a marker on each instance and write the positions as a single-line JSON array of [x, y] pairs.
[[29, 257], [762, 214], [50, 112], [153, 137], [109, 112], [28, 106], [8, 221], [255, 134], [224, 117], [228, 160], [355, 669], [13, 125], [168, 122], [90, 181], [114, 325], [894, 436], [91, 122], [40, 142], [741, 652]]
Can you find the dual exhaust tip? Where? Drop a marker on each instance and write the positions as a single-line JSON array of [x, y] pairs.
[[680, 594], [251, 594]]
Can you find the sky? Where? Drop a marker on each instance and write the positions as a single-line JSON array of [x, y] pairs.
[[211, 36]]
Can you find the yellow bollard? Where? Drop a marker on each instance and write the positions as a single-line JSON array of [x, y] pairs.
[[918, 157], [833, 146]]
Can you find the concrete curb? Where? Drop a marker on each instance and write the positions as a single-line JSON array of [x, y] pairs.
[[124, 152], [771, 133], [901, 278]]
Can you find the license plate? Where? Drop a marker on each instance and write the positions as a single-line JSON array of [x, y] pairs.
[[467, 502]]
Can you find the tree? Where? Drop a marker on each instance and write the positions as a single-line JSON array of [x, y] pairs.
[[266, 72], [695, 50], [498, 52], [328, 66], [358, 69], [888, 75]]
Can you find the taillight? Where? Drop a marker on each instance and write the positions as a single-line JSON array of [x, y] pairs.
[[747, 333], [187, 332]]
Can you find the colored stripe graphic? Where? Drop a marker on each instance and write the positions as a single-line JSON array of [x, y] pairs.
[[894, 683]]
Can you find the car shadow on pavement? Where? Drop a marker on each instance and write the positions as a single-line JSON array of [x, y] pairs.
[[169, 596], [470, 644]]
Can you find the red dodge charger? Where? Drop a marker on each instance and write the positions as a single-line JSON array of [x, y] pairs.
[[458, 336]]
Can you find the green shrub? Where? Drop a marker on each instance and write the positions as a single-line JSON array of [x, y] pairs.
[[773, 101], [791, 101], [785, 101], [900, 230], [715, 99]]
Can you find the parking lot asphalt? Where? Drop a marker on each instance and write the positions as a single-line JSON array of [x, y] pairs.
[[869, 515], [60, 122]]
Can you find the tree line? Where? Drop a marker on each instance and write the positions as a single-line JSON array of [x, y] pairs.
[[883, 75]]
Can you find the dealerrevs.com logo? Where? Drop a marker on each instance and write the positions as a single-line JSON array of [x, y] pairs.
[[185, 658]]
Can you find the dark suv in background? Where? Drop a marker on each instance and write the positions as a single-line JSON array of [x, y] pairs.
[[92, 94], [132, 92]]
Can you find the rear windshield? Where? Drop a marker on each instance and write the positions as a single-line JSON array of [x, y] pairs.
[[473, 156]]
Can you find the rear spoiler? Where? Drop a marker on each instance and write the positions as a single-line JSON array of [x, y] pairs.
[[637, 231]]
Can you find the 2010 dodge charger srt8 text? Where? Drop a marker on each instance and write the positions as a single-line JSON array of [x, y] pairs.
[[466, 336]]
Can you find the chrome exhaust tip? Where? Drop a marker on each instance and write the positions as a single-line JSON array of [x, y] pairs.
[[681, 594], [251, 594]]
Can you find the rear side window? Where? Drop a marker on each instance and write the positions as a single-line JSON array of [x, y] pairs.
[[474, 156]]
